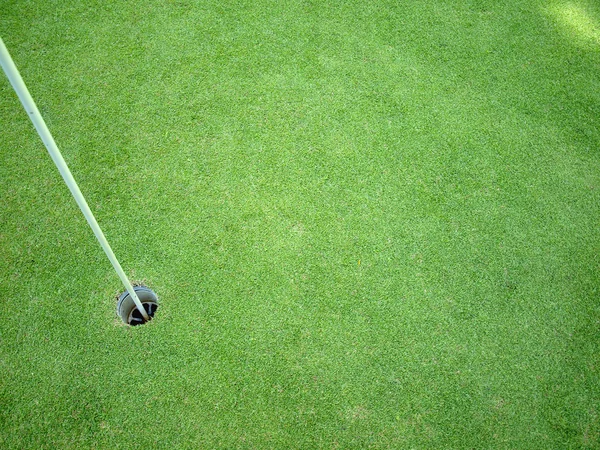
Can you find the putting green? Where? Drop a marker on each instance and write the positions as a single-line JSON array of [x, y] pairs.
[[370, 225]]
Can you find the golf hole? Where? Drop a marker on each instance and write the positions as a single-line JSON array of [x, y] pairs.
[[127, 310]]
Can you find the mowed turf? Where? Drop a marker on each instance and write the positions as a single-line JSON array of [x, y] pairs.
[[370, 225]]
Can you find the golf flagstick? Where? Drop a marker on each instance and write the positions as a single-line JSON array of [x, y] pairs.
[[19, 86]]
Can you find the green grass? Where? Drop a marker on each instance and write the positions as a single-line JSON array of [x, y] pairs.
[[370, 225]]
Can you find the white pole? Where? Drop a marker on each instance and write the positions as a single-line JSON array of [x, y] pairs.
[[19, 86]]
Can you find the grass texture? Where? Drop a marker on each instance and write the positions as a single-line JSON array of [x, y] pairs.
[[370, 224]]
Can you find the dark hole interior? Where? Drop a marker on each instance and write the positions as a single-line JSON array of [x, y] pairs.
[[136, 316]]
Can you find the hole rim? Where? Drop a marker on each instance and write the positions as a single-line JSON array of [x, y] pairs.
[[127, 310]]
